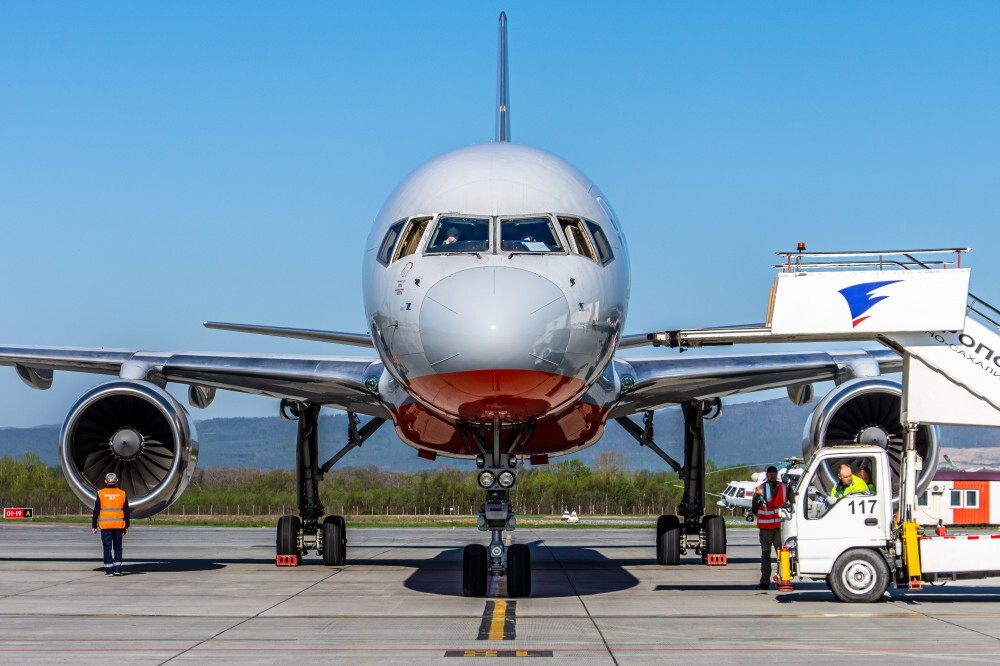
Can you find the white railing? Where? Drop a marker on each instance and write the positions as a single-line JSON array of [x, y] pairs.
[[802, 261]]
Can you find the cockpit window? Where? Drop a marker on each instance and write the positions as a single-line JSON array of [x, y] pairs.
[[460, 234], [601, 242], [579, 242], [389, 242], [530, 234], [411, 237]]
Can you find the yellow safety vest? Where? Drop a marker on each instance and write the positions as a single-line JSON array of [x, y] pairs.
[[857, 485], [112, 516]]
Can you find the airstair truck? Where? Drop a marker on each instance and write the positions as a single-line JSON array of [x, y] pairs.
[[917, 303], [858, 544], [862, 542]]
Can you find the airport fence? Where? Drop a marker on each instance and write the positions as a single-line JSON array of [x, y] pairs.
[[250, 493]]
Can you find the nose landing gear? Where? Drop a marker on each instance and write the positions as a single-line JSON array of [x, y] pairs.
[[496, 474]]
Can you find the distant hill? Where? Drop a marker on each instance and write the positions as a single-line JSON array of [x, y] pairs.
[[750, 432]]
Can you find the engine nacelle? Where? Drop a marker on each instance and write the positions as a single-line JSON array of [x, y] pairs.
[[866, 411], [136, 430]]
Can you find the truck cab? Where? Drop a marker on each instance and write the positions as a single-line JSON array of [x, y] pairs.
[[832, 514], [844, 531]]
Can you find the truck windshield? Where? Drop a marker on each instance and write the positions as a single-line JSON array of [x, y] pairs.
[[839, 478]]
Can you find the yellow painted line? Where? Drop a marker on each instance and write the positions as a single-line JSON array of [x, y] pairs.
[[497, 621]]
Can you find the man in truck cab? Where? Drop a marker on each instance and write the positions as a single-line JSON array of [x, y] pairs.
[[848, 483], [866, 476], [768, 497]]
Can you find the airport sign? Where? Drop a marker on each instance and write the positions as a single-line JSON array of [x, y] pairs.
[[17, 513]]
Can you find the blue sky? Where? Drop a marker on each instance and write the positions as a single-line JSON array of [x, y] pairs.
[[165, 164]]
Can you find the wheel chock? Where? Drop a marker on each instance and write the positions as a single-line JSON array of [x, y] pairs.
[[286, 561], [716, 559]]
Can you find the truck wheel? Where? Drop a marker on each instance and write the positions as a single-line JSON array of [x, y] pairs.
[[859, 575]]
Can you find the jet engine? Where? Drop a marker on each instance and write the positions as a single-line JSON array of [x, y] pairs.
[[136, 430], [866, 411]]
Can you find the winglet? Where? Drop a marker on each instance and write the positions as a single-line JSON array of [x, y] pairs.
[[503, 85]]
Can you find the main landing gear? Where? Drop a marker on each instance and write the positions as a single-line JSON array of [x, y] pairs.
[[310, 531], [705, 535], [496, 474]]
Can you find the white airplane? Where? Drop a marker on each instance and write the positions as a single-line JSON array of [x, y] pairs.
[[496, 284]]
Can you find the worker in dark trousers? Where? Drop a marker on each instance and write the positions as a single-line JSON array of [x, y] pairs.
[[111, 514], [768, 497]]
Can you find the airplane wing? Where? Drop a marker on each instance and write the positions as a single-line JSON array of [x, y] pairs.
[[328, 380], [337, 337], [662, 382]]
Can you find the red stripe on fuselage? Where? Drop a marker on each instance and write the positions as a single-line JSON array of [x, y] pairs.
[[511, 395]]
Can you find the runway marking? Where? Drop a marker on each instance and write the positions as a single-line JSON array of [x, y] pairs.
[[499, 621], [498, 653], [269, 648]]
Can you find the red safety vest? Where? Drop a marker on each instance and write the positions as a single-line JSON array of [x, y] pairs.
[[767, 514], [112, 516]]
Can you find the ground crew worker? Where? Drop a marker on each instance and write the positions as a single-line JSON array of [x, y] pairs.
[[768, 497], [866, 476], [848, 483], [111, 513]]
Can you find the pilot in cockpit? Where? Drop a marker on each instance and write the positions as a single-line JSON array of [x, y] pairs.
[[453, 236]]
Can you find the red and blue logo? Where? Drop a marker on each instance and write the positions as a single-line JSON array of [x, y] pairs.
[[861, 298]]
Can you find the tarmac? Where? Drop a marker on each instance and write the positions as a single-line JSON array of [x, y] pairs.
[[201, 594]]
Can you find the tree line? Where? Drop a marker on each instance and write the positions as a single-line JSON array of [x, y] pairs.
[[607, 488]]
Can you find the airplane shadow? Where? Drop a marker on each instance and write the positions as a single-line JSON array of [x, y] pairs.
[[146, 566], [556, 571]]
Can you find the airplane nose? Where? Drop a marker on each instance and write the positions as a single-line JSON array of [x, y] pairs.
[[494, 317]]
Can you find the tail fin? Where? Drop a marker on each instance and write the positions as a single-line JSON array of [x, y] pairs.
[[503, 86]]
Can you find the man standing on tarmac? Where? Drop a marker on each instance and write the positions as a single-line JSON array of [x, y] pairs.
[[111, 513], [768, 497]]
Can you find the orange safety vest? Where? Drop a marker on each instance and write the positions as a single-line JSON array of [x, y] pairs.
[[767, 514], [112, 516]]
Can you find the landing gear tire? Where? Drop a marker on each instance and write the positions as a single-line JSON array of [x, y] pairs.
[[668, 540], [715, 536], [518, 571], [859, 575], [288, 535], [474, 570], [334, 541]]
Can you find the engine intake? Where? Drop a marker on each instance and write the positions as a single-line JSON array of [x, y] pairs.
[[136, 430], [866, 411]]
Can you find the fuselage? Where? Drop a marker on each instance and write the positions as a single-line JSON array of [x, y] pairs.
[[496, 282]]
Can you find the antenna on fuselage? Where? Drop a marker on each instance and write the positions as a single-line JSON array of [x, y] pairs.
[[503, 86]]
